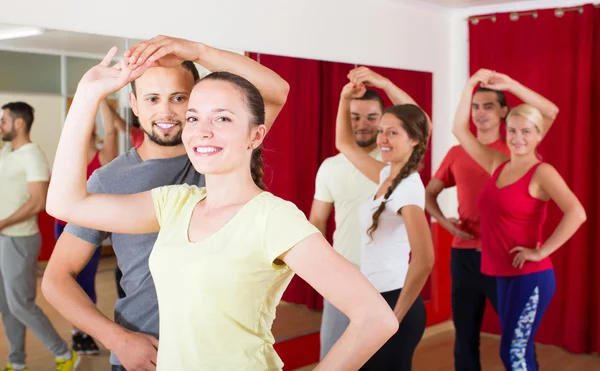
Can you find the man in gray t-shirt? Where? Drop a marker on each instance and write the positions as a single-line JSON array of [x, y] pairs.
[[127, 174], [159, 99]]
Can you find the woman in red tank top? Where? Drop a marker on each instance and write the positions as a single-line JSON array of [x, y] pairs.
[[512, 209]]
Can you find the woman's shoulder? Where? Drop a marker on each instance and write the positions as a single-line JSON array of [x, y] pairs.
[[411, 182], [271, 206], [179, 192], [270, 201]]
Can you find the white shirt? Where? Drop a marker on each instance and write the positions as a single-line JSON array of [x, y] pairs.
[[385, 258], [342, 184]]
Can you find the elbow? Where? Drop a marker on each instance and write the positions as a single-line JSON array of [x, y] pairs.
[[456, 131], [282, 92], [48, 285], [553, 113], [380, 320], [39, 207], [341, 145], [428, 264], [56, 209], [424, 263], [388, 323], [581, 215]]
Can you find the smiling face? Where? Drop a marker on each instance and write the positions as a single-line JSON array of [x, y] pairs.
[[394, 142], [365, 116], [486, 111], [160, 103], [221, 130], [522, 136]]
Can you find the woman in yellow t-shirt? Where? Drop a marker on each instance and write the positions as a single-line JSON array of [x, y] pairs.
[[224, 253]]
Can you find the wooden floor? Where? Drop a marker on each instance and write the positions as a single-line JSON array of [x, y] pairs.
[[433, 354]]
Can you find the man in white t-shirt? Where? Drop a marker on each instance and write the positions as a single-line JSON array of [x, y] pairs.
[[24, 176], [341, 186]]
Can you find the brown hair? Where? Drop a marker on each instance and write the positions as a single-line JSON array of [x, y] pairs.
[[414, 121], [256, 109]]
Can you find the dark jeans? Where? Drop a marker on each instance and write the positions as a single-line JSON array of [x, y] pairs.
[[470, 288], [397, 353]]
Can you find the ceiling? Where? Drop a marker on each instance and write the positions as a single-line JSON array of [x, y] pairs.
[[95, 46], [459, 4], [63, 42]]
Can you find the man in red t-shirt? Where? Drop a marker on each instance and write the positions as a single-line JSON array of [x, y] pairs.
[[470, 287]]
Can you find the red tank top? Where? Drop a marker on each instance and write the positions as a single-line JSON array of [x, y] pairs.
[[510, 217], [92, 166]]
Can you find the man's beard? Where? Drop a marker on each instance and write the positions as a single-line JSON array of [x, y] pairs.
[[367, 143], [170, 141], [8, 137]]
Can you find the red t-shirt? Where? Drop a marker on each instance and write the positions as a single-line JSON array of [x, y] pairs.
[[460, 170], [510, 217]]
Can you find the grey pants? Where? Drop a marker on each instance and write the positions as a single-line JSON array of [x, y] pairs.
[[18, 288], [333, 325]]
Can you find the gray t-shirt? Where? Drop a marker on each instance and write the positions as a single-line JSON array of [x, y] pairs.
[[127, 174]]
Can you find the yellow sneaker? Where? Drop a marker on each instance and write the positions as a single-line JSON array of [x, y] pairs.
[[68, 364], [9, 367]]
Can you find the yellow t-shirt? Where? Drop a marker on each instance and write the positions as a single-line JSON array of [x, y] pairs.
[[17, 168], [217, 297]]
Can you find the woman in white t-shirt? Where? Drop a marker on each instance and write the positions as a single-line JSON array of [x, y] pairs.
[[395, 229]]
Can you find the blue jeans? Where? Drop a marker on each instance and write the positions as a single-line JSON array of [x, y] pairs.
[[87, 277]]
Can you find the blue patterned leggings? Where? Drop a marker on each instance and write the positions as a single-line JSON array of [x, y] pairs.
[[522, 301]]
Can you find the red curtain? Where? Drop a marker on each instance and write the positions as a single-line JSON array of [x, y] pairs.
[[304, 135], [558, 56]]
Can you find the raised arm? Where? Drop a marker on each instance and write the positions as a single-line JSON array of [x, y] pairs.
[[344, 139], [368, 77], [68, 198], [486, 157], [372, 322], [548, 109], [169, 51]]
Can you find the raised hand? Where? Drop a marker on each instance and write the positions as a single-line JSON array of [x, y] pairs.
[[499, 81], [103, 80], [452, 226], [483, 76], [367, 77], [352, 91], [526, 254], [165, 51]]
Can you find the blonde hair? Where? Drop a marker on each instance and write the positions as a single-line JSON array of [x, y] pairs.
[[530, 113]]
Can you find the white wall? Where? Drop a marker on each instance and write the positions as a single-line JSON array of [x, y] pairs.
[[47, 121], [388, 33]]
